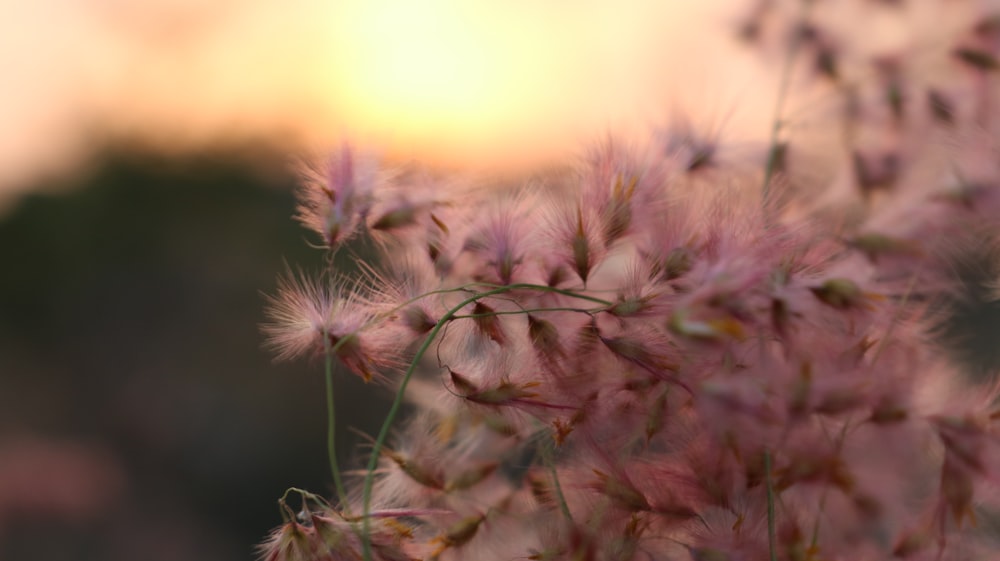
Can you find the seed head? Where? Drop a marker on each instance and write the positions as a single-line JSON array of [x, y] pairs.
[[308, 317], [337, 196]]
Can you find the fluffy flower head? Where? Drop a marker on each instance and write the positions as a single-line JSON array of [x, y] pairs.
[[309, 317]]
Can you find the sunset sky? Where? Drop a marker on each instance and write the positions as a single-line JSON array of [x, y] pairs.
[[456, 82], [148, 162]]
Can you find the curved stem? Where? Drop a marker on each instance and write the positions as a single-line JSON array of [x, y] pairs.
[[527, 311], [550, 462], [500, 289], [398, 401], [331, 428], [496, 289]]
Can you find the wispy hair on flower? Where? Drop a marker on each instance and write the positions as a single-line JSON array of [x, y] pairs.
[[337, 195], [308, 317]]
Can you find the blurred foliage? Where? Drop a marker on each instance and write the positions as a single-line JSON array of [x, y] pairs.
[[129, 314]]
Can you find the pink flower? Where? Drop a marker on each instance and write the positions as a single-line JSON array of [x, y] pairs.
[[501, 240], [337, 196], [308, 317]]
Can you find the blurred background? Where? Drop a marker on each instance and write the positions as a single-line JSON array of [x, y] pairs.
[[146, 204]]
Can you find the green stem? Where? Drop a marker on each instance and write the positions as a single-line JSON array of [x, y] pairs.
[[395, 309], [500, 289], [466, 287], [398, 401], [331, 430], [527, 311], [550, 462]]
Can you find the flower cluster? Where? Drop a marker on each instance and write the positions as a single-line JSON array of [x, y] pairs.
[[662, 360]]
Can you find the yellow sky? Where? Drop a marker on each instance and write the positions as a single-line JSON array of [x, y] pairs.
[[467, 83]]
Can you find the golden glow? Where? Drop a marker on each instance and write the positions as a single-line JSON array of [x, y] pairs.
[[415, 60], [468, 83], [437, 73], [403, 69]]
